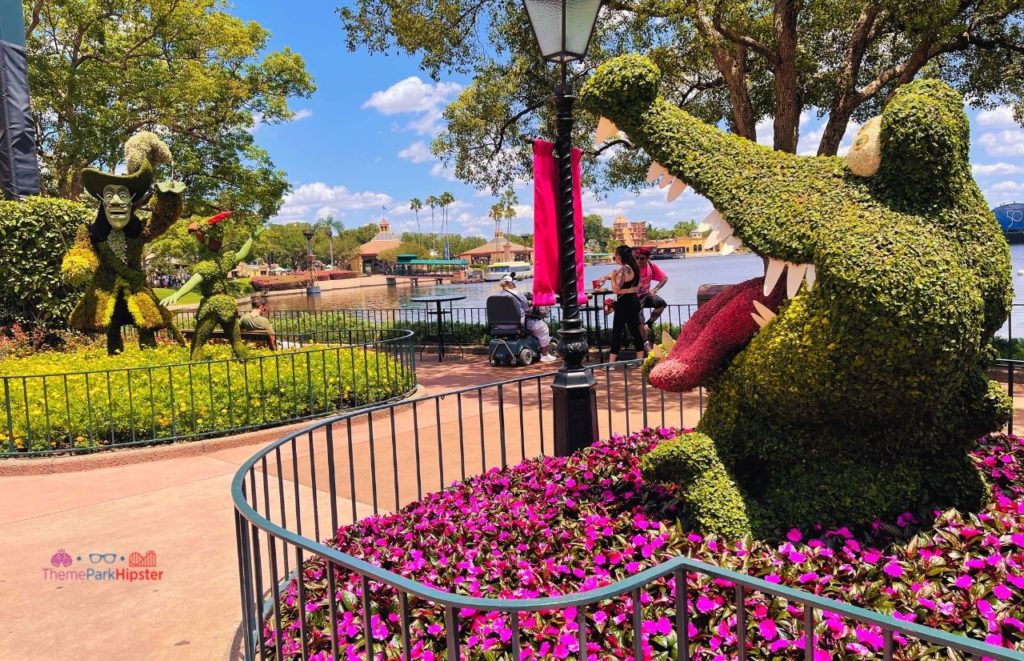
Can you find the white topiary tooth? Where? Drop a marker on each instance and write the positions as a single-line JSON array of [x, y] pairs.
[[772, 274], [719, 233], [794, 277], [654, 172], [766, 312], [758, 320], [730, 245], [605, 129], [810, 277], [713, 220], [678, 186]]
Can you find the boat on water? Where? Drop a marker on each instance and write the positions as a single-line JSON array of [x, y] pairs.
[[495, 272], [1011, 220]]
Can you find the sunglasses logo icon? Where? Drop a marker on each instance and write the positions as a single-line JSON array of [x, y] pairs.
[[96, 558]]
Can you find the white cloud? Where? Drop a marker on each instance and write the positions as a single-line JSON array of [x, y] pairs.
[[1009, 142], [417, 152], [414, 96], [983, 169], [302, 114], [441, 171], [1009, 186], [316, 200], [1001, 116]]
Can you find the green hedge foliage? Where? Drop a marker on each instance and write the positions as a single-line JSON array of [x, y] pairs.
[[85, 399], [34, 234], [860, 400]]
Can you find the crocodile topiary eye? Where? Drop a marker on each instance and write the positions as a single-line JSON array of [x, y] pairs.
[[865, 156]]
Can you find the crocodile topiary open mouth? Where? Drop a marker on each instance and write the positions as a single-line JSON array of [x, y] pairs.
[[723, 326]]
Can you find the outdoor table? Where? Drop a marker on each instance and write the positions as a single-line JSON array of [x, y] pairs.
[[595, 310], [438, 301]]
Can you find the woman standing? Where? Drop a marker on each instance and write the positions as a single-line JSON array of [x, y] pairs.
[[625, 285]]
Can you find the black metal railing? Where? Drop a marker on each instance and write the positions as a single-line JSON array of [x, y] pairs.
[[303, 488], [322, 373], [468, 325]]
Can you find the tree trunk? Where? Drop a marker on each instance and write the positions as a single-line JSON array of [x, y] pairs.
[[835, 128], [733, 67], [846, 98], [787, 101]]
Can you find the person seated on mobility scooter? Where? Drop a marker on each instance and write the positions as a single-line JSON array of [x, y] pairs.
[[517, 328]]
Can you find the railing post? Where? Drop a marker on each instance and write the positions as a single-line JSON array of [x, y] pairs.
[[573, 390]]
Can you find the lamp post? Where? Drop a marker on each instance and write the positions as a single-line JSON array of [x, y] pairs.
[[563, 29], [312, 289]]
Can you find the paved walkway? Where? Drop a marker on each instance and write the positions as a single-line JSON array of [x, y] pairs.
[[180, 508]]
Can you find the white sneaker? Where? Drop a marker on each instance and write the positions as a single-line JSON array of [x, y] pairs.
[[547, 358]]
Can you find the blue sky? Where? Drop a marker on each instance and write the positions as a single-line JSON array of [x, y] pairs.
[[361, 142]]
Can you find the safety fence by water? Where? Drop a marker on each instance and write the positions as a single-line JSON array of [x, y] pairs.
[[468, 325], [88, 410], [293, 496]]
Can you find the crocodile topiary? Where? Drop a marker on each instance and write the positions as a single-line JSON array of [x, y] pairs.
[[860, 395]]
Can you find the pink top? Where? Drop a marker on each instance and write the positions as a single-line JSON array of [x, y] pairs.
[[649, 272]]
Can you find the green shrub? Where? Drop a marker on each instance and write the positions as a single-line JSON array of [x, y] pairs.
[[34, 234], [709, 495], [86, 399]]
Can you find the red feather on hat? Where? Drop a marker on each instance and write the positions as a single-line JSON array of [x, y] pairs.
[[223, 215]]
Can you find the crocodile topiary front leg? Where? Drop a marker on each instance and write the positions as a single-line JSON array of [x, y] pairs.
[[708, 492]]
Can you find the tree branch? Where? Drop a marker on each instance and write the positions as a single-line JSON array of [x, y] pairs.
[[37, 8], [500, 140], [742, 39]]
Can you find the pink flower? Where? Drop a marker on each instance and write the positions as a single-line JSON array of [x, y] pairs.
[[893, 569]]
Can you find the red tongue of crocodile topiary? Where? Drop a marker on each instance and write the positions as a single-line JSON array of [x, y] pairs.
[[715, 333]]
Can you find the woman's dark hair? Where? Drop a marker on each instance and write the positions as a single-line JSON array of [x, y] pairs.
[[101, 229], [625, 253]]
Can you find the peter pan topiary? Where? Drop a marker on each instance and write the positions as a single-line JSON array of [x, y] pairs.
[[211, 274], [118, 294], [860, 397]]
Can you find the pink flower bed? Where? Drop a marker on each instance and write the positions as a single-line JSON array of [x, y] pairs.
[[555, 526]]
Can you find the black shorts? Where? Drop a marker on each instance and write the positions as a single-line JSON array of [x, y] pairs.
[[652, 300]]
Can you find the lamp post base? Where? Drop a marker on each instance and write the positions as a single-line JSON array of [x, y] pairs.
[[574, 397]]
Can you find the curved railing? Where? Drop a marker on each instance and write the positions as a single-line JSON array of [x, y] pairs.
[[316, 374], [383, 458]]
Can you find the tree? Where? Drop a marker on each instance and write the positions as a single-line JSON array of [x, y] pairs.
[[100, 70], [330, 229], [285, 242], [415, 204], [445, 200], [594, 230], [683, 228], [432, 202], [390, 256], [736, 61]]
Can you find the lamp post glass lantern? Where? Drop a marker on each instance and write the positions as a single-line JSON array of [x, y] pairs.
[[563, 29]]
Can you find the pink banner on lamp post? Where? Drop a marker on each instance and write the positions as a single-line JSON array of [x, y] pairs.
[[546, 257]]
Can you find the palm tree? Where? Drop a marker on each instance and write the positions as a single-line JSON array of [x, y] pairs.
[[445, 201], [415, 204], [508, 203], [432, 202], [333, 228]]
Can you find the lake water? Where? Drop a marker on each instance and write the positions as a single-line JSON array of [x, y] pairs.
[[685, 277]]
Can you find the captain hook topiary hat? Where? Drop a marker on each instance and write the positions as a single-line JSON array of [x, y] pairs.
[[142, 152]]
